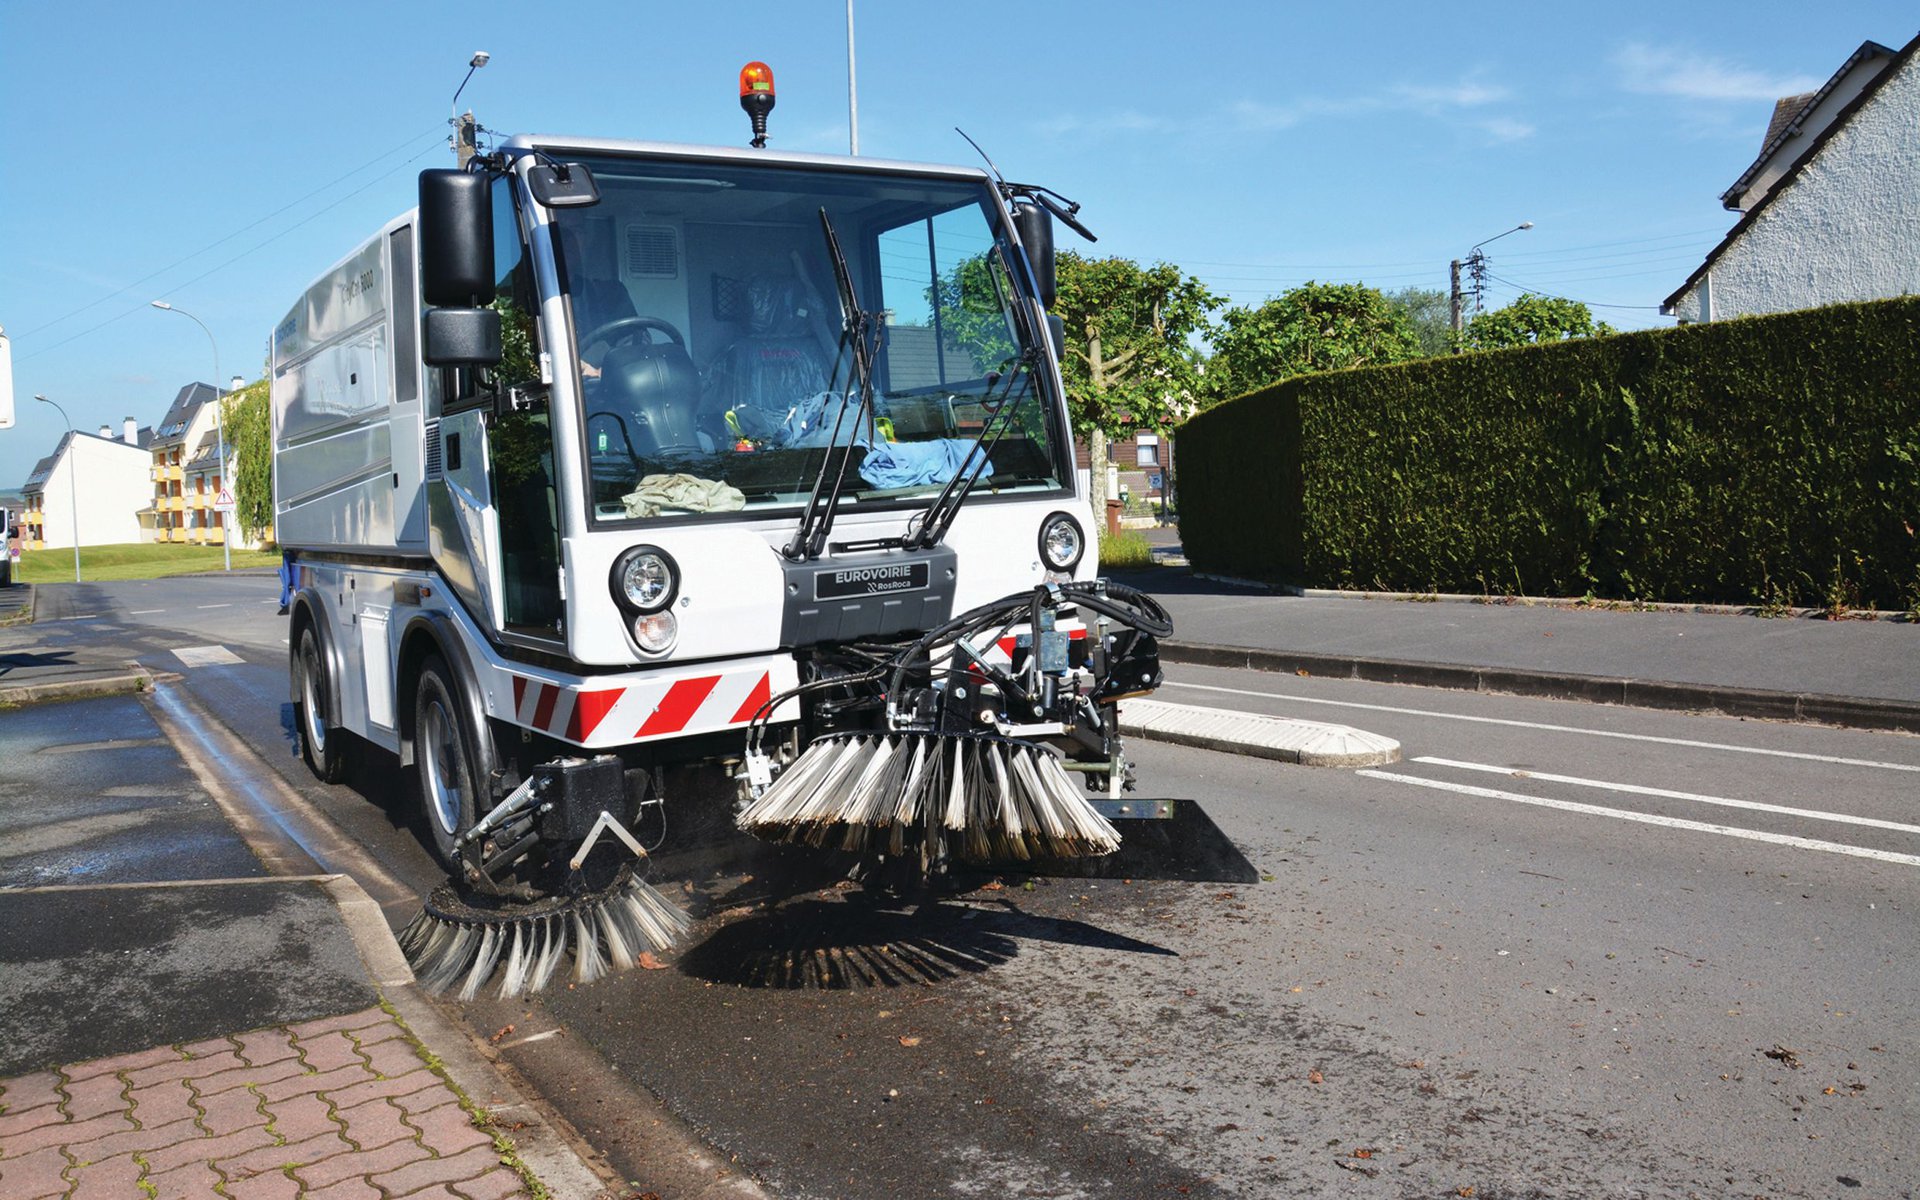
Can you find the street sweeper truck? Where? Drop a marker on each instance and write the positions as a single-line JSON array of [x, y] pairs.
[[633, 491]]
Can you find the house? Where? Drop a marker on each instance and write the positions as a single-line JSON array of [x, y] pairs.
[[1831, 207], [98, 480]]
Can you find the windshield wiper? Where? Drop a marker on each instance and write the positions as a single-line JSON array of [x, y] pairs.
[[859, 332], [938, 517]]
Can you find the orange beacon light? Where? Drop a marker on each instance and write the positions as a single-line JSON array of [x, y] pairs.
[[756, 96]]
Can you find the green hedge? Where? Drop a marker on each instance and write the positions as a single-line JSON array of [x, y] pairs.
[[1766, 460]]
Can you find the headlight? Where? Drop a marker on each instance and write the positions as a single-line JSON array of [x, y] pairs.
[[1061, 542], [644, 580], [655, 632]]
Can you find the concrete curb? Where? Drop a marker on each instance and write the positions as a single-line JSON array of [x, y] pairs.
[[1853, 712], [115, 684], [1283, 739]]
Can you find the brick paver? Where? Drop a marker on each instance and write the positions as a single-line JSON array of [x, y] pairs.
[[337, 1109]]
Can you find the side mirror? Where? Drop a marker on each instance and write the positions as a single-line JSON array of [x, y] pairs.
[[456, 239], [1035, 227], [460, 337]]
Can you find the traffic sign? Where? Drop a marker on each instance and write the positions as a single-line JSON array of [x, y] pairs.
[[223, 500]]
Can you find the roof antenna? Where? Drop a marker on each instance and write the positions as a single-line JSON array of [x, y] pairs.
[[998, 177]]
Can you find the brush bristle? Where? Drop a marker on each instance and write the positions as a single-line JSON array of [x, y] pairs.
[[1001, 800], [621, 923]]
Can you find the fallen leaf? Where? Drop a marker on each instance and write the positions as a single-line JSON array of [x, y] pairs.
[[649, 963], [500, 1033], [1463, 1191], [1829, 1091], [909, 1041], [1315, 1077], [995, 886], [1363, 1152]]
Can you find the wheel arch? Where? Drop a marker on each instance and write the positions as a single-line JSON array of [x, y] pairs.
[[432, 633], [309, 611]]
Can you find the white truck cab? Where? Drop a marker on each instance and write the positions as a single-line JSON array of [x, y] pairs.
[[610, 443]]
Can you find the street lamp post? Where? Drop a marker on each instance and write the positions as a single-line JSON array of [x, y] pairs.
[[1476, 264], [219, 426], [73, 486]]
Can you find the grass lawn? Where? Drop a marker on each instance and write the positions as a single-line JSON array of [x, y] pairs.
[[140, 560]]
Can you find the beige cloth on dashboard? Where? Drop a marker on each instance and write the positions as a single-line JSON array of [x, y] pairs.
[[688, 493]]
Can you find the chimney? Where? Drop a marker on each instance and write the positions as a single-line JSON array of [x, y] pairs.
[[133, 432], [106, 431]]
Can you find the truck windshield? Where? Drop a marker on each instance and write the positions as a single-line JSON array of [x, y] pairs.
[[709, 334]]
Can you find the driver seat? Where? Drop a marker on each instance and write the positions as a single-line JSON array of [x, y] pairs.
[[657, 384], [776, 366]]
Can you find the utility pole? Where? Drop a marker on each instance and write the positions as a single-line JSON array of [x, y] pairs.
[[1457, 330], [465, 142]]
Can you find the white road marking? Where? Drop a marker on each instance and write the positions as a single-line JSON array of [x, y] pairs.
[[213, 606], [1593, 810], [80, 617], [206, 656], [1812, 814], [146, 612], [1605, 733]]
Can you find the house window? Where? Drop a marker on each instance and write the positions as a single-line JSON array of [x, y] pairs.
[[1148, 450]]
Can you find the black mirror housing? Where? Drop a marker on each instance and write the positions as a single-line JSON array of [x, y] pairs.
[[460, 337], [456, 239], [1035, 227], [563, 185]]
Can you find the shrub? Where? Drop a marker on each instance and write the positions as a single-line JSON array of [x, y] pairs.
[[1741, 461]]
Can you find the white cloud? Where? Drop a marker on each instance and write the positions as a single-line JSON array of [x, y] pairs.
[[1441, 101], [1660, 71], [1506, 129]]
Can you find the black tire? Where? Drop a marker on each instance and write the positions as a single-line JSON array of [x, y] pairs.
[[446, 761], [323, 747]]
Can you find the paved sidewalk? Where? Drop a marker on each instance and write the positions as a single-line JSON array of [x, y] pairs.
[[346, 1106], [1859, 673]]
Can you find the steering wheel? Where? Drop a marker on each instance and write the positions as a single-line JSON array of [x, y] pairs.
[[613, 333]]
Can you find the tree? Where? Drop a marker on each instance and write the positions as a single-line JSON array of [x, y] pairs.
[[1314, 327], [1531, 319], [1129, 362], [250, 442], [1430, 313]]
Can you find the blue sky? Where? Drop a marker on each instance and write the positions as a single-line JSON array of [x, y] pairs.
[[221, 155]]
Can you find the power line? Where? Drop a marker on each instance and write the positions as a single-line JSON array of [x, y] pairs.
[[336, 181], [1589, 303], [184, 284]]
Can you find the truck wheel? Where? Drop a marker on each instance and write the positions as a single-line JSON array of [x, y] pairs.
[[323, 747], [444, 756]]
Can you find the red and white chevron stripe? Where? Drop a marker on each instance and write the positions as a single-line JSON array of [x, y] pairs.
[[597, 713]]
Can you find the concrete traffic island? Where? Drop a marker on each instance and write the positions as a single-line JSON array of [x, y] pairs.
[[1284, 739]]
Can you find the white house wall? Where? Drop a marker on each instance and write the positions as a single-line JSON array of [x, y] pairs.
[[112, 487], [1846, 228]]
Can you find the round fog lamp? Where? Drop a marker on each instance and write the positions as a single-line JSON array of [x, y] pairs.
[[655, 631], [1061, 542]]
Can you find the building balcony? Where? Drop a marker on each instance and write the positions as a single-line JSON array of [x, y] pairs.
[[176, 535], [197, 500], [34, 516], [216, 537], [173, 471]]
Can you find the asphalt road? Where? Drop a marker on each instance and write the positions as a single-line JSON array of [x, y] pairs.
[[1561, 950]]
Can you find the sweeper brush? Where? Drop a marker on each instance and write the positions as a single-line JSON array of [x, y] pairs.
[[460, 938], [989, 798], [964, 744]]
